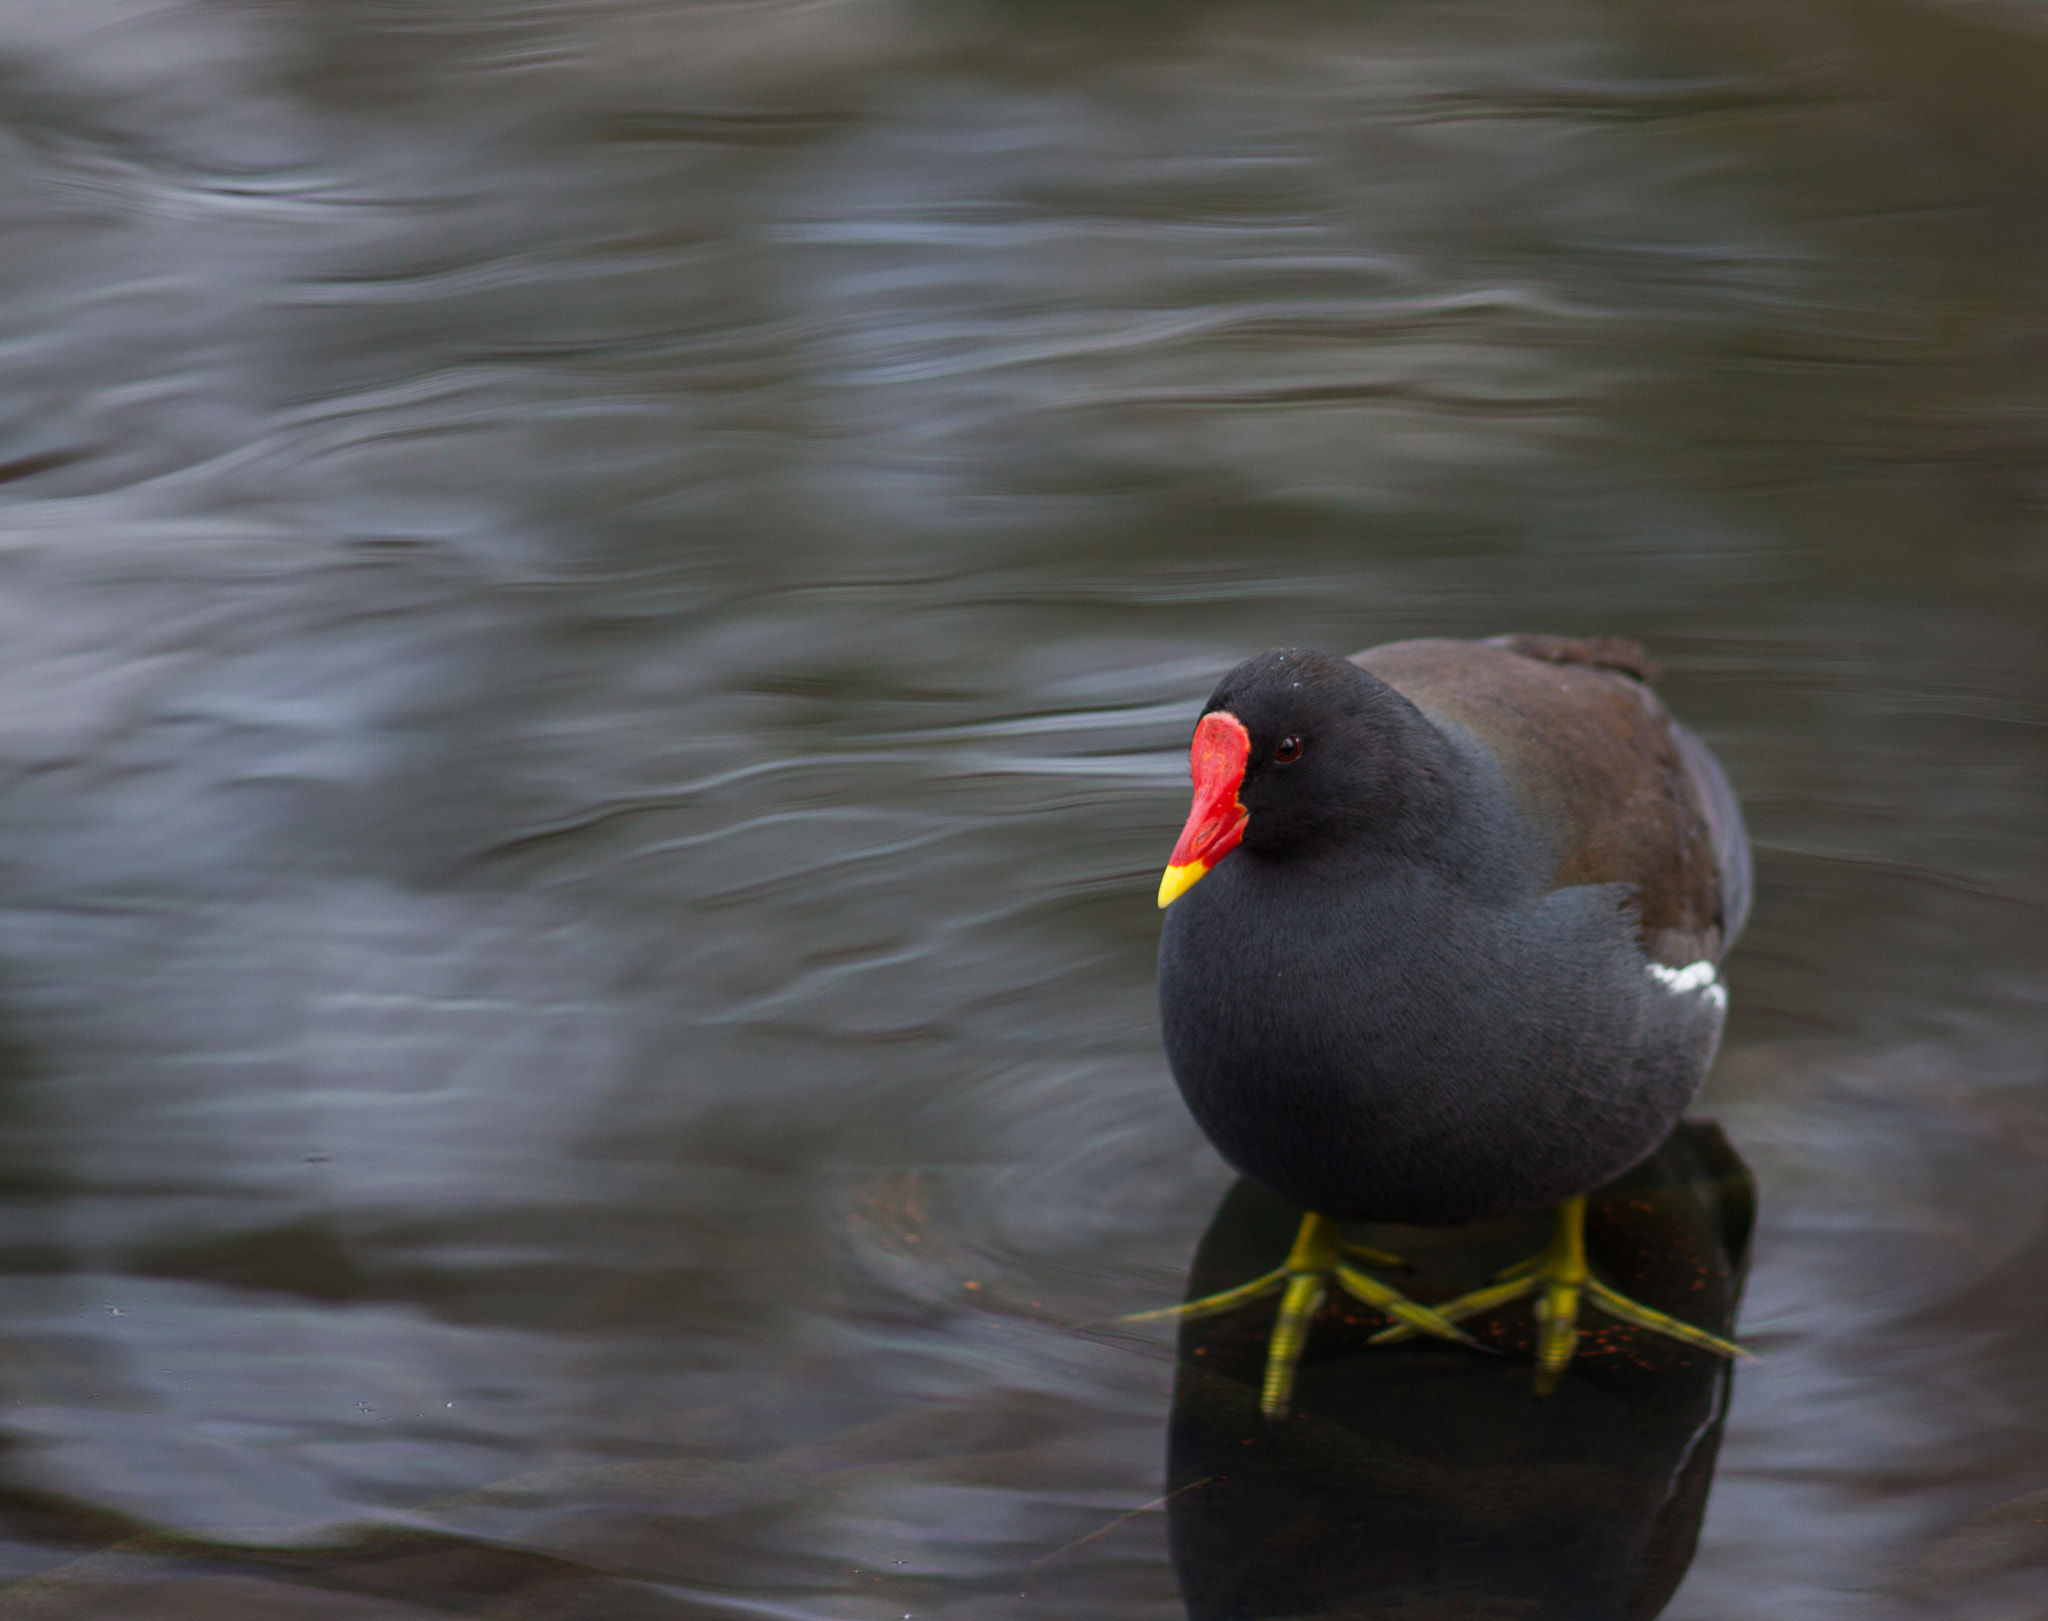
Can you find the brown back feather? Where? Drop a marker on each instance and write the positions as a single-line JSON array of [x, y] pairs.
[[1592, 749]]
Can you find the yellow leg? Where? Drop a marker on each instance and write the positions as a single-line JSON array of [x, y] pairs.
[[1564, 1275], [1565, 1282], [1303, 1282], [1306, 1292]]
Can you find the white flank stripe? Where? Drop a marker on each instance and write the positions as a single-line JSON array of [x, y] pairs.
[[1699, 976]]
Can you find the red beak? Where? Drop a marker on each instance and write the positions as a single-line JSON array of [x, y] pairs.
[[1215, 824]]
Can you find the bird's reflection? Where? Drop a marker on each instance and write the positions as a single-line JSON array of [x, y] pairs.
[[1423, 1480]]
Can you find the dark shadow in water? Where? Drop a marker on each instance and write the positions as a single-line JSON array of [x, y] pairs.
[[1422, 1480]]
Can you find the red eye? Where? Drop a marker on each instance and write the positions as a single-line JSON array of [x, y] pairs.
[[1288, 751]]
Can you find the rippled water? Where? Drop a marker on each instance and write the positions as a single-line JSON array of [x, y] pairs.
[[602, 606]]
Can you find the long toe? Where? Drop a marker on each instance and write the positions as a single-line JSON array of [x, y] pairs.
[[1210, 1305]]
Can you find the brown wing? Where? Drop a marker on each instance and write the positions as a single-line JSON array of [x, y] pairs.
[[1600, 762], [1599, 652], [1723, 812]]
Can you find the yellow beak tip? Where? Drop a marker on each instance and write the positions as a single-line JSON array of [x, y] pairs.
[[1177, 881]]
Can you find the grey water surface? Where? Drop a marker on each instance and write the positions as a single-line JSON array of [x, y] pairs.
[[602, 605]]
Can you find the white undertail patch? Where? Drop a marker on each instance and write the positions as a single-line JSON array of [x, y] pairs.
[[1699, 977]]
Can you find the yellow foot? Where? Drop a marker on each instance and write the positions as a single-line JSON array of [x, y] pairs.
[[1565, 1280], [1303, 1283]]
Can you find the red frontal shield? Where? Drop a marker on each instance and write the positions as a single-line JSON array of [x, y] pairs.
[[1217, 760]]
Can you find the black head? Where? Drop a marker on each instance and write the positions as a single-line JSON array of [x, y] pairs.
[[1336, 753], [1298, 752]]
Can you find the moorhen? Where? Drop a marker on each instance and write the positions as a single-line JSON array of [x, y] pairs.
[[1441, 943]]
